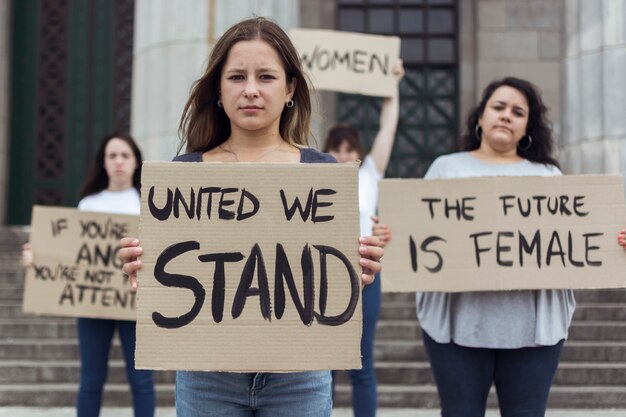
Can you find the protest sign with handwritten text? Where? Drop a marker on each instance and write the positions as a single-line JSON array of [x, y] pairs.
[[504, 233], [249, 267], [76, 271], [348, 62]]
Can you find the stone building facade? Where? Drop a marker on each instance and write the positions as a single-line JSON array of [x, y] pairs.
[[574, 50]]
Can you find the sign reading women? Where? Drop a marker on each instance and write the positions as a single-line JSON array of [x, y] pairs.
[[504, 233], [249, 267], [348, 62]]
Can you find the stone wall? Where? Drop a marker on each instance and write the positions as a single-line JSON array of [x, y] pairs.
[[594, 94], [521, 38], [170, 51]]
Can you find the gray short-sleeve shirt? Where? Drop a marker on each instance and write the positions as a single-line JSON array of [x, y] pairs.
[[494, 319]]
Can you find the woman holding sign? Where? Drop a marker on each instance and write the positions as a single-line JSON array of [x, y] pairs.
[[343, 143], [512, 339], [252, 105], [112, 186]]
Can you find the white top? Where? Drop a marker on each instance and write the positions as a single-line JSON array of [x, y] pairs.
[[494, 319], [368, 194], [115, 202]]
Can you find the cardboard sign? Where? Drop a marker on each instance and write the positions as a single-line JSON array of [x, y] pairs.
[[348, 62], [249, 267], [503, 233], [76, 271]]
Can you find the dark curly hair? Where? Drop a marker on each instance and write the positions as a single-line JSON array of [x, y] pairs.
[[538, 127]]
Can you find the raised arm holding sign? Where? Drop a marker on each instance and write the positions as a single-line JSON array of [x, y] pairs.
[[251, 105], [344, 144]]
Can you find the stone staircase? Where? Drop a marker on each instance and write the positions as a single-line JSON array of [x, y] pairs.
[[39, 356], [592, 372]]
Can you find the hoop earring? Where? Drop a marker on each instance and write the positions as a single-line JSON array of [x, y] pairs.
[[527, 147], [219, 103], [478, 131], [289, 104]]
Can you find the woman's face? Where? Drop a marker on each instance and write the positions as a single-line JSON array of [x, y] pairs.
[[119, 163], [504, 120], [344, 153], [254, 88]]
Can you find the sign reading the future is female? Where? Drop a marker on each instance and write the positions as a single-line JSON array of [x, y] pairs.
[[504, 233]]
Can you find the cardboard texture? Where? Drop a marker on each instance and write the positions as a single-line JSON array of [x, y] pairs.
[[76, 271], [209, 231], [503, 233], [348, 62]]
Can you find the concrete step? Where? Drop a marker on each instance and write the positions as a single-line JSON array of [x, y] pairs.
[[589, 351], [398, 311], [399, 350], [614, 295], [419, 373], [600, 312], [10, 292], [425, 396], [596, 311], [13, 275], [36, 327], [57, 395], [11, 309], [591, 373], [574, 351], [590, 330], [391, 298], [598, 330], [49, 349], [47, 371]]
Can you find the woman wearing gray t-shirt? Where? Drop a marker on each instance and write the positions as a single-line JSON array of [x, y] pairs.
[[511, 338]]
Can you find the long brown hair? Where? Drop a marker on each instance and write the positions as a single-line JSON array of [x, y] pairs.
[[538, 126], [204, 125], [97, 177]]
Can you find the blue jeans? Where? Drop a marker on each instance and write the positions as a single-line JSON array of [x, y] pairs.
[[464, 376], [225, 394], [94, 337], [364, 400]]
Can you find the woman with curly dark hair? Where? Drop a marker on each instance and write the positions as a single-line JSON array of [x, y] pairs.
[[512, 339]]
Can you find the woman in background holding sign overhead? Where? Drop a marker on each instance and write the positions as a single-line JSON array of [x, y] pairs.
[[252, 105], [112, 186], [511, 338], [343, 143]]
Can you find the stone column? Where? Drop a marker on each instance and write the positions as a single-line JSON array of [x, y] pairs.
[[173, 39], [594, 94], [467, 59], [5, 26], [320, 14], [171, 47]]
